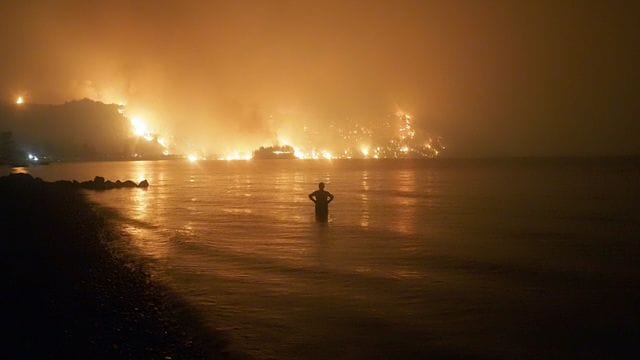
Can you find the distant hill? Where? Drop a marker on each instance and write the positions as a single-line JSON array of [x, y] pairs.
[[76, 130]]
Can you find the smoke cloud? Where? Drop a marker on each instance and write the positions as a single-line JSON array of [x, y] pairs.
[[491, 78]]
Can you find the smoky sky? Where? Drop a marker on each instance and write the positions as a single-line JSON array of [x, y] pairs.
[[491, 77]]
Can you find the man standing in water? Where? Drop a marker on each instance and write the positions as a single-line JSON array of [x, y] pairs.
[[322, 199]]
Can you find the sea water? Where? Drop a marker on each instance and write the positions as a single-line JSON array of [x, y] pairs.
[[517, 258]]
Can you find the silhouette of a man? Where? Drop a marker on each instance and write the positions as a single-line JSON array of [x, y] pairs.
[[322, 199]]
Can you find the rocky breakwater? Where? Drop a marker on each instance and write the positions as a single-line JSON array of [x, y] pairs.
[[99, 183]]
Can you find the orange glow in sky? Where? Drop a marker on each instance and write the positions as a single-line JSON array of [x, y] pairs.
[[220, 75]]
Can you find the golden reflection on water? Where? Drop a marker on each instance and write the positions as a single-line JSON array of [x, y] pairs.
[[404, 216], [298, 181], [364, 198], [145, 205], [144, 170], [140, 170], [141, 204]]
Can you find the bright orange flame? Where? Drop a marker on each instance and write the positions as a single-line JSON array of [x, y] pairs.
[[236, 155], [298, 153], [139, 126], [192, 157], [20, 100], [162, 141]]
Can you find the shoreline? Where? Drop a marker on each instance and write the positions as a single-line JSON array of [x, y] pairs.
[[66, 294]]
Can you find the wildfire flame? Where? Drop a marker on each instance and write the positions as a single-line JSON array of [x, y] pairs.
[[236, 155], [139, 127], [192, 157], [394, 137]]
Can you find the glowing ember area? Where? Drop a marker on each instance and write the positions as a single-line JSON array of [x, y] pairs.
[[406, 131], [193, 157], [155, 145], [20, 100], [163, 141], [327, 155], [390, 137], [394, 137], [139, 127], [236, 155], [298, 154]]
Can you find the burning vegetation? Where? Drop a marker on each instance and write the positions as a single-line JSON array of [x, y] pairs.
[[393, 138], [89, 130]]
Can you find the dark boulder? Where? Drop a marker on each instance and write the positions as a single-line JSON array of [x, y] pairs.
[[19, 177], [98, 183], [65, 183], [18, 180], [129, 184]]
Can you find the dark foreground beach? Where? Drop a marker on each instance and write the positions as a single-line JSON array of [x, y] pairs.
[[66, 295]]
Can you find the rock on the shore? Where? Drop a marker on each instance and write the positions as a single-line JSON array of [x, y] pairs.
[[129, 184], [99, 183]]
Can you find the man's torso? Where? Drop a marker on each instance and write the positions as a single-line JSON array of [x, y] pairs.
[[322, 197]]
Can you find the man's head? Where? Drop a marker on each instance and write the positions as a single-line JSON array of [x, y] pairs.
[[321, 186]]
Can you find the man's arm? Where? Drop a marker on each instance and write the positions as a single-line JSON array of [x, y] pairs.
[[311, 197], [330, 198]]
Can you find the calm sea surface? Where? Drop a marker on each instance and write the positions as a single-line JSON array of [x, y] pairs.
[[449, 258]]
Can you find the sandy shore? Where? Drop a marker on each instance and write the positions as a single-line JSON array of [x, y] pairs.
[[66, 295]]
